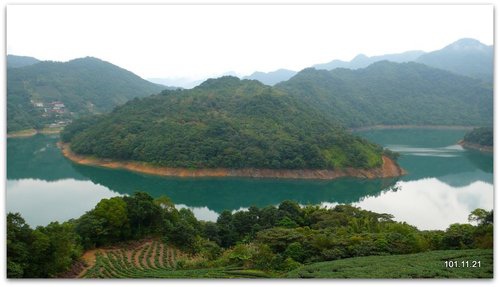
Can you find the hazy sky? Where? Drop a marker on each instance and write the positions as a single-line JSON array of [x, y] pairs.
[[199, 41]]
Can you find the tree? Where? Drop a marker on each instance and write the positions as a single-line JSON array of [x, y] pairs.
[[184, 236], [19, 237], [116, 225], [143, 214], [292, 210], [91, 229], [211, 232], [227, 231], [63, 249], [295, 251], [268, 217], [243, 222], [481, 216], [458, 236]]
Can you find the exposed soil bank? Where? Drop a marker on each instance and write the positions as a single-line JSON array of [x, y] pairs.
[[478, 147], [389, 168], [22, 134], [33, 132], [384, 127]]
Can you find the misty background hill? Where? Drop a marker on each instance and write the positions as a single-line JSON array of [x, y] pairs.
[[467, 57]]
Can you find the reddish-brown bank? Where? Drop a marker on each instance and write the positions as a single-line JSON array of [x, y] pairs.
[[388, 169]]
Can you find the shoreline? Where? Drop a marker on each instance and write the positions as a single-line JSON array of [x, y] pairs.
[[388, 169], [394, 127], [478, 147], [33, 132]]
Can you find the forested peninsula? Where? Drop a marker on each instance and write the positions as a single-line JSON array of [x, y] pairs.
[[225, 127], [479, 139]]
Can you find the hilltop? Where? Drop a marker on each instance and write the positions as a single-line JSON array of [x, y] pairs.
[[467, 57]]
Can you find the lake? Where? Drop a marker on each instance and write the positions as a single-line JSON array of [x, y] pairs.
[[444, 183]]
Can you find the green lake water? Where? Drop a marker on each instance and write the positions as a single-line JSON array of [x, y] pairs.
[[444, 183]]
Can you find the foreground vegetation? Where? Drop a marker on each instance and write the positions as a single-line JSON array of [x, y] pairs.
[[226, 123], [420, 265], [258, 242], [155, 260]]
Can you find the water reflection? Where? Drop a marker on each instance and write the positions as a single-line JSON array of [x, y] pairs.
[[428, 153], [220, 194], [41, 202], [445, 182], [430, 203], [38, 157]]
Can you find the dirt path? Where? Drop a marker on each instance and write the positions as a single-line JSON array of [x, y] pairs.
[[89, 257]]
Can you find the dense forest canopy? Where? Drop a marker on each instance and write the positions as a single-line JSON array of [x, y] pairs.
[[481, 136], [223, 122], [387, 93], [80, 86], [272, 238]]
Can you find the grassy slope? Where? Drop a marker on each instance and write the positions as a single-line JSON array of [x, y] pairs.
[[420, 265]]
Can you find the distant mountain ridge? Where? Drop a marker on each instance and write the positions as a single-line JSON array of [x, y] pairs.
[[467, 57], [50, 92], [363, 61], [176, 83], [271, 78]]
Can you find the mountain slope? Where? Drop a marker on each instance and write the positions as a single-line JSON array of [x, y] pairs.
[[225, 122], [47, 92], [467, 57], [387, 93], [14, 61]]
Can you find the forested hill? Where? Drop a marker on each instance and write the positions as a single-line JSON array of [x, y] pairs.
[[223, 122], [47, 92], [387, 93]]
